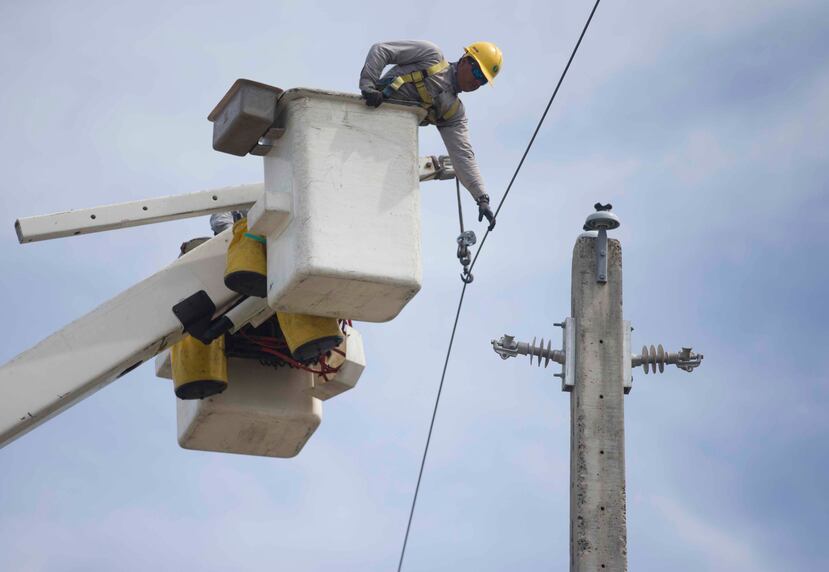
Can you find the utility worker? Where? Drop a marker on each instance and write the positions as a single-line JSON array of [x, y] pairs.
[[421, 74]]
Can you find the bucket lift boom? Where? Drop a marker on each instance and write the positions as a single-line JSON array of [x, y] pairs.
[[137, 324]]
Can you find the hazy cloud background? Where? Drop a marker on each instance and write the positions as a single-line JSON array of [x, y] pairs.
[[705, 124]]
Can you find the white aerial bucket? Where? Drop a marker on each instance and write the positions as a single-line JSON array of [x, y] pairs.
[[265, 410], [351, 247]]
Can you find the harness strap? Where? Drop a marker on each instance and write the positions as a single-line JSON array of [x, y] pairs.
[[419, 75], [432, 117], [418, 78], [424, 94], [453, 109]]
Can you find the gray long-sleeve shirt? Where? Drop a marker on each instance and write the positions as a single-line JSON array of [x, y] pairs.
[[411, 55]]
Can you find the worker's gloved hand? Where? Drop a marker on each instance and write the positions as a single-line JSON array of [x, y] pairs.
[[485, 211], [373, 97]]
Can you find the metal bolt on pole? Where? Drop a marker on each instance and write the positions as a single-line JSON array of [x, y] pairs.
[[596, 370]]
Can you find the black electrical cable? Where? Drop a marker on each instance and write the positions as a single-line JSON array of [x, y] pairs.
[[463, 290], [431, 427], [537, 128]]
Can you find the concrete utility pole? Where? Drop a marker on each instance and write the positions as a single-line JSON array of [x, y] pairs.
[[596, 370]]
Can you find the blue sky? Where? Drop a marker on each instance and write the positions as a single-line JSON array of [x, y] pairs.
[[705, 124]]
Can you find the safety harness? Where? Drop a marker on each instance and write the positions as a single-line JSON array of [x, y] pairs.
[[418, 78]]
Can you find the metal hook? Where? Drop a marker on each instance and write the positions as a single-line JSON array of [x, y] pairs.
[[465, 240]]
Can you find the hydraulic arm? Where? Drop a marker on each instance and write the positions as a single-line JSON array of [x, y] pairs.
[[115, 338]]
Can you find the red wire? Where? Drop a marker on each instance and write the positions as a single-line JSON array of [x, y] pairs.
[[326, 369], [263, 342], [323, 364]]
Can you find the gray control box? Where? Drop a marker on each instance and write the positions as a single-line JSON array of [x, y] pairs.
[[244, 114]]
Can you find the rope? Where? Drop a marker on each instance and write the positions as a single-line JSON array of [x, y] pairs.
[[463, 290], [460, 210]]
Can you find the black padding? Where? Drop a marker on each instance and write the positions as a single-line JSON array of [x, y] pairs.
[[195, 313], [200, 389], [311, 351], [248, 283]]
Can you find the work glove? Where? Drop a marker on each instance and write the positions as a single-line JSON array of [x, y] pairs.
[[485, 211], [373, 97]]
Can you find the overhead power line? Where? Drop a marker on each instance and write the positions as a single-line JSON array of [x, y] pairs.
[[537, 128], [463, 290]]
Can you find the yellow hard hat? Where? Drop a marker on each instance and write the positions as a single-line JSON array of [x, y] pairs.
[[488, 56]]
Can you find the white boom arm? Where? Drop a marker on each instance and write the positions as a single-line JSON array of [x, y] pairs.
[[110, 341], [151, 211], [136, 213]]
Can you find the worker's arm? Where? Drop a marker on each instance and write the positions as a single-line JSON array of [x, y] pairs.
[[455, 135], [402, 52]]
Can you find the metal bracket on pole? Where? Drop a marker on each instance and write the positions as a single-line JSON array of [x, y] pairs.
[[601, 256], [568, 368], [627, 375]]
